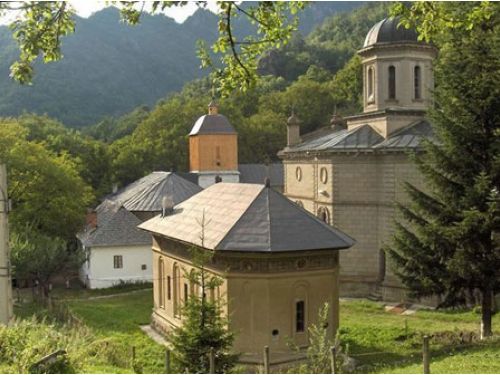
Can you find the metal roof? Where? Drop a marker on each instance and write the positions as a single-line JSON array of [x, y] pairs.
[[365, 138], [387, 31], [147, 193], [257, 173], [115, 226], [212, 124], [246, 217]]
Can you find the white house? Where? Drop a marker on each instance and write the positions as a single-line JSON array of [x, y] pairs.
[[116, 250]]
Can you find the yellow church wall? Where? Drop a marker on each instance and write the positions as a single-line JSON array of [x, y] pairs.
[[261, 304], [213, 152], [300, 180], [257, 302], [364, 190]]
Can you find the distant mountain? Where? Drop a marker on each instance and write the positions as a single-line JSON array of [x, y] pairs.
[[110, 68]]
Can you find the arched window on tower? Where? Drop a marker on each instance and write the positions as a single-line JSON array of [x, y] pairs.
[[417, 77], [392, 82], [370, 84]]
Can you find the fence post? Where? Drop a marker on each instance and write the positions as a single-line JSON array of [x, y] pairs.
[[426, 356], [167, 361], [211, 359], [266, 359], [133, 356], [333, 359]]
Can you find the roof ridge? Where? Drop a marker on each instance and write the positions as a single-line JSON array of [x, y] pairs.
[[243, 212]]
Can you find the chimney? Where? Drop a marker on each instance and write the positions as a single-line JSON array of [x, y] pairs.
[[91, 219], [267, 182], [115, 188], [167, 205], [293, 130], [337, 122], [218, 179]]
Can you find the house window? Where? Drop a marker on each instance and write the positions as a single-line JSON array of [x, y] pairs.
[[392, 82], [169, 288], [370, 83], [300, 316], [417, 76], [161, 292], [118, 261], [144, 267]]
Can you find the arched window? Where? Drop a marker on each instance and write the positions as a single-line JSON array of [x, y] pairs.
[[392, 82], [370, 83], [176, 277], [417, 79], [324, 214], [161, 281]]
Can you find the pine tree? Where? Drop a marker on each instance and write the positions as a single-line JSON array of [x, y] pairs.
[[445, 242], [204, 325]]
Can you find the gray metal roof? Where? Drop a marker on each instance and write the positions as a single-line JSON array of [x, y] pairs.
[[387, 31], [408, 137], [257, 173], [365, 138], [212, 124], [115, 226], [147, 193], [246, 217]]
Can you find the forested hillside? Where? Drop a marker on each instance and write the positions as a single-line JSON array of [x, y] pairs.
[[110, 68], [47, 159]]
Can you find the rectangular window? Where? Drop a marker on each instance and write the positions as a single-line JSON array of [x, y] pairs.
[[299, 316], [169, 283], [118, 261], [186, 292], [161, 295]]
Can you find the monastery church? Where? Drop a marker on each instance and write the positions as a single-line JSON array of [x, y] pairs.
[[351, 173]]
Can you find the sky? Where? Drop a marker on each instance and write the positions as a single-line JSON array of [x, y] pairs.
[[85, 8]]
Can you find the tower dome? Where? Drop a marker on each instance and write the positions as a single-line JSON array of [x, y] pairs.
[[387, 31]]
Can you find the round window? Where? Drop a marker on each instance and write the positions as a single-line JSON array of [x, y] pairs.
[[323, 175], [298, 173]]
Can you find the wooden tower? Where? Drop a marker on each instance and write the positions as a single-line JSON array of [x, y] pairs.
[[213, 148]]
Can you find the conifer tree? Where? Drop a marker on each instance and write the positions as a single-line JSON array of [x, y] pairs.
[[446, 240], [204, 324]]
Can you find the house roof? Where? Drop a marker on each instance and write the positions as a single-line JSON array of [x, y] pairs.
[[365, 138], [115, 226], [246, 217], [257, 173], [147, 193], [212, 124]]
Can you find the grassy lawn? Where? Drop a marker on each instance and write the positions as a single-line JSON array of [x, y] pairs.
[[118, 319], [379, 341], [385, 342]]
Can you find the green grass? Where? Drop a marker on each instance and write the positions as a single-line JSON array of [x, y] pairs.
[[118, 319], [380, 342]]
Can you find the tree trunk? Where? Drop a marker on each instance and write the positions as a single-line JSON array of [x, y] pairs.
[[486, 314]]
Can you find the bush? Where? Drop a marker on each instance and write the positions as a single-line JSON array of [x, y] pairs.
[[25, 342]]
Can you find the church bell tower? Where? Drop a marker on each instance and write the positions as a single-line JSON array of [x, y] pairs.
[[213, 148]]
